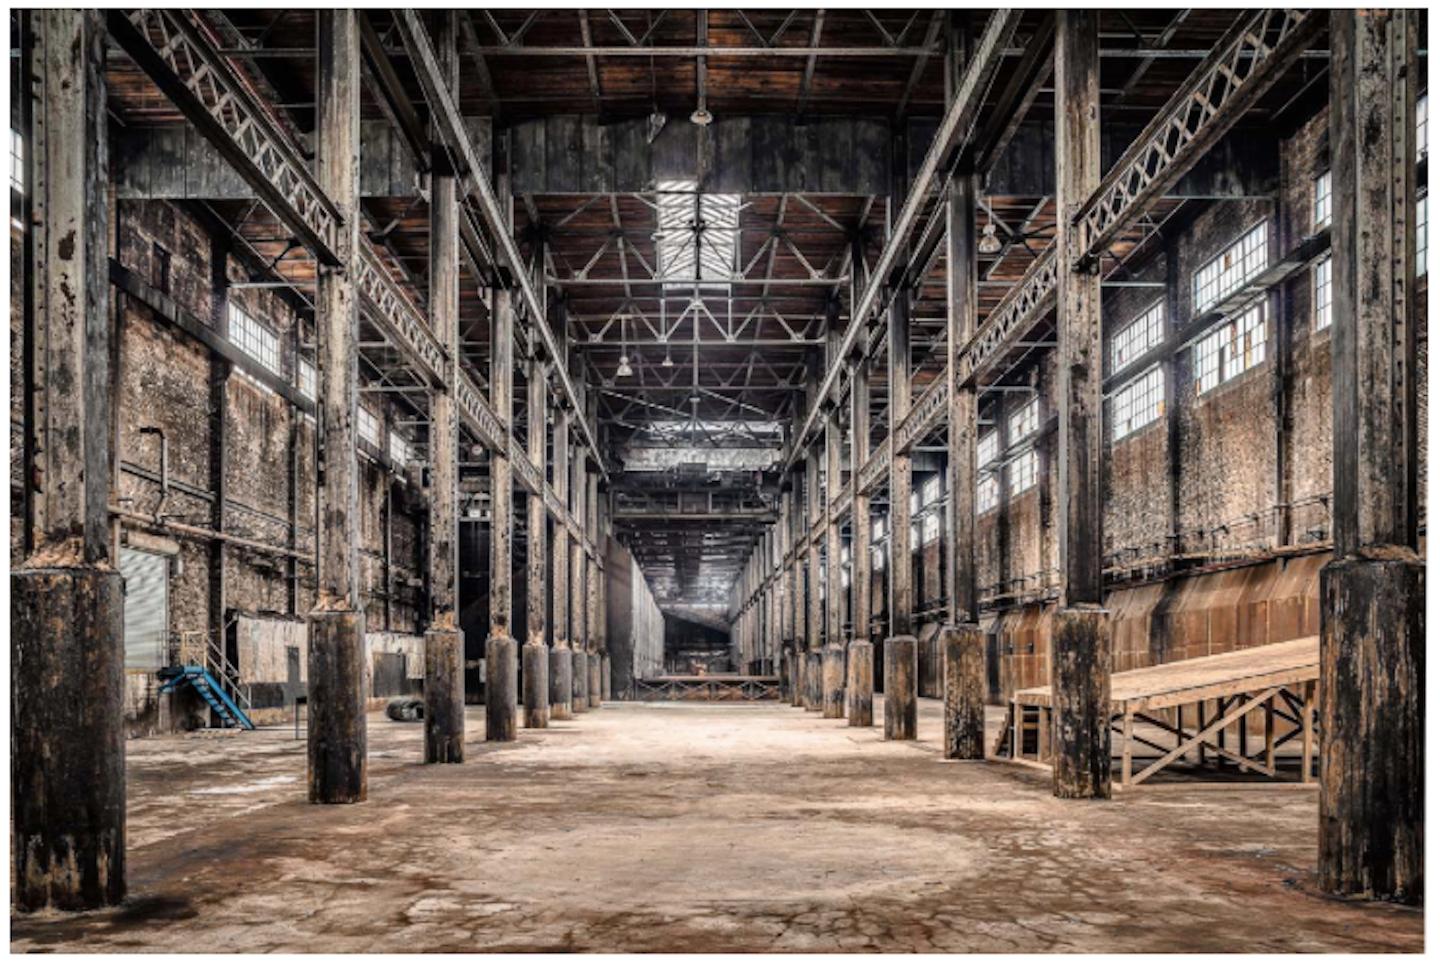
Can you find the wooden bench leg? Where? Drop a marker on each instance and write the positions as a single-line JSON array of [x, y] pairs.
[[1307, 738], [1126, 748]]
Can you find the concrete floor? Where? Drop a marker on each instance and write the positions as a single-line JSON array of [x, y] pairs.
[[699, 828]]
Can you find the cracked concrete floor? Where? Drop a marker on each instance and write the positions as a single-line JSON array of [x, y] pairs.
[[699, 828]]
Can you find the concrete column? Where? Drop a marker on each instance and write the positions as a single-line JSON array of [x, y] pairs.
[[833, 678], [1372, 605], [337, 670], [963, 644], [67, 598], [535, 662], [902, 669], [1080, 637], [444, 642], [561, 660], [501, 696], [860, 679]]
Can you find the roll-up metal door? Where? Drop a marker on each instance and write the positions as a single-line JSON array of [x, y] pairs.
[[147, 588]]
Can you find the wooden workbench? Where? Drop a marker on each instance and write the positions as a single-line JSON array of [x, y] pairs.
[[1216, 693]]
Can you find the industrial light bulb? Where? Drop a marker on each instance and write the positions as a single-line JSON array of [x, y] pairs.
[[989, 243], [701, 117], [667, 362], [624, 369]]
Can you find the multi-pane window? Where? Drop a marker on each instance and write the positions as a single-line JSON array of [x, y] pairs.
[[1232, 268], [929, 499], [1022, 472], [399, 450], [986, 449], [697, 233], [17, 161], [306, 378], [1137, 337], [255, 339], [1137, 403], [1025, 421], [987, 492], [1422, 218], [1422, 125], [1322, 200], [1233, 347], [369, 427], [1321, 291]]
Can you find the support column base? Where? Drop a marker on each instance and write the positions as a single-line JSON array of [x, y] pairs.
[[902, 675], [797, 678], [860, 684], [593, 688], [560, 684], [444, 696], [1372, 727], [335, 676], [535, 670], [501, 696], [68, 742], [963, 647], [832, 681], [605, 680], [1080, 702], [814, 679], [579, 681]]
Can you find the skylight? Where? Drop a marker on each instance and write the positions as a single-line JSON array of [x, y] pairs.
[[695, 235]]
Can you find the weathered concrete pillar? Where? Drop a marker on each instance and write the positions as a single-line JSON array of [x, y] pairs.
[[594, 690], [336, 672], [833, 681], [815, 675], [606, 680], [501, 651], [535, 663], [67, 599], [860, 684], [962, 642], [444, 641], [1372, 596], [797, 674], [902, 670], [964, 653], [1080, 639], [561, 659], [580, 679]]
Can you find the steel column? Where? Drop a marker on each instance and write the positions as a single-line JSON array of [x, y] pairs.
[[444, 641], [964, 644], [500, 648], [68, 742], [336, 673], [1372, 622], [1080, 640]]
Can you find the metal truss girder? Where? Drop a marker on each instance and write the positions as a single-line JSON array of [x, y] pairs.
[[926, 413], [171, 47], [1025, 303], [397, 316], [1242, 66], [956, 129], [445, 115], [876, 469]]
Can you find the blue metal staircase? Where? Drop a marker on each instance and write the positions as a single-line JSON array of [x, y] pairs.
[[199, 678]]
